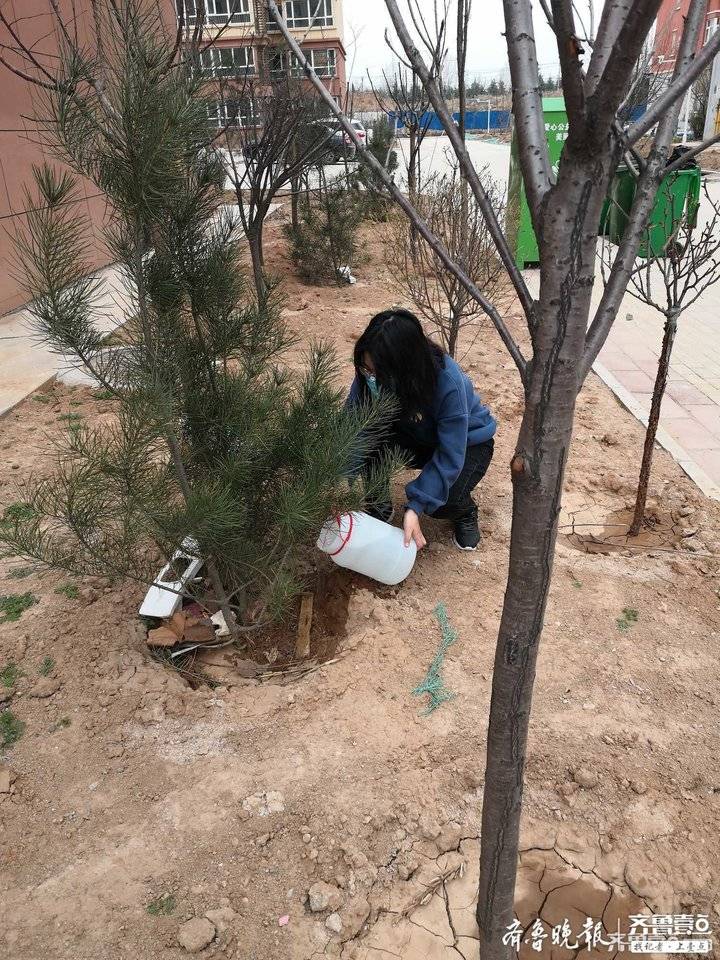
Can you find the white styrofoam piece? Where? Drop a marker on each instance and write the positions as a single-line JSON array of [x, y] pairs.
[[219, 620], [164, 596]]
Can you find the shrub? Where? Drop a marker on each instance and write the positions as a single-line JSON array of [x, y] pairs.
[[325, 238]]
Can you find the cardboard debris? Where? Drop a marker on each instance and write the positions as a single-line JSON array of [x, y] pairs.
[[162, 637], [190, 625], [176, 623], [220, 624], [199, 630]]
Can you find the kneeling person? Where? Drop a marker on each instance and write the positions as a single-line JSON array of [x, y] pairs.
[[442, 427]]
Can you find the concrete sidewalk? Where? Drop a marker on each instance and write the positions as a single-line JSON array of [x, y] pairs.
[[26, 363], [690, 412]]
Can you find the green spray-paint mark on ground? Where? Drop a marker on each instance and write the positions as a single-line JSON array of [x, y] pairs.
[[433, 684]]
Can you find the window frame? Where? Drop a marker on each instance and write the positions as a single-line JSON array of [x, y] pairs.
[[282, 56], [242, 14], [291, 67], [216, 69], [295, 22], [218, 114], [330, 53]]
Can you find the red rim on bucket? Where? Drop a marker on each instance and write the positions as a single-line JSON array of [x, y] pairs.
[[349, 534]]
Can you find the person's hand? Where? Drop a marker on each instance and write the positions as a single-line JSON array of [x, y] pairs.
[[411, 528]]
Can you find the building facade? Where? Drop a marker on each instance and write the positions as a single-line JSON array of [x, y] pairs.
[[668, 31], [20, 145], [243, 42], [246, 43]]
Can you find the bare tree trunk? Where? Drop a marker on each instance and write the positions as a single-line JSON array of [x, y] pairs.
[[463, 17], [653, 421], [213, 573], [294, 203], [412, 164], [413, 187], [256, 258], [453, 332], [537, 471]]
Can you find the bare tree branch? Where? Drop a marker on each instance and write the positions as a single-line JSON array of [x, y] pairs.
[[586, 35], [681, 82], [614, 15], [26, 76], [367, 157], [692, 152], [569, 49], [646, 191], [527, 106], [467, 168], [27, 53], [621, 61], [548, 14]]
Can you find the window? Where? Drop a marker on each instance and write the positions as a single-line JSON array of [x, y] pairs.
[[217, 12], [278, 63], [221, 61], [710, 28], [322, 62], [232, 113], [305, 13]]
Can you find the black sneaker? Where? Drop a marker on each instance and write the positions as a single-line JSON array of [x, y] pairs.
[[466, 534], [381, 511]]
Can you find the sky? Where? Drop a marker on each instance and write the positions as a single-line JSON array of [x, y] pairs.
[[366, 21]]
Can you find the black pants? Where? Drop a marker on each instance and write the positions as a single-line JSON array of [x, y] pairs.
[[477, 461]]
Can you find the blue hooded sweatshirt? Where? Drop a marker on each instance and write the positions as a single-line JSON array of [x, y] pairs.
[[455, 420]]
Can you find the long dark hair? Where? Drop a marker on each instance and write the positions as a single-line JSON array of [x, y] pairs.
[[406, 361]]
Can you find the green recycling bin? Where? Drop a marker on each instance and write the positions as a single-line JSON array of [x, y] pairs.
[[677, 190], [518, 220], [678, 196]]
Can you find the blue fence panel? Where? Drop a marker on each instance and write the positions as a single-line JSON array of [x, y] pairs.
[[478, 119], [474, 119]]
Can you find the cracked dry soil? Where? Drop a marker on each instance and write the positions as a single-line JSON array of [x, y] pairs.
[[138, 802]]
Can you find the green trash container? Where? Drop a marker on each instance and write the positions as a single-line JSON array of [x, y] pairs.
[[518, 221], [678, 195]]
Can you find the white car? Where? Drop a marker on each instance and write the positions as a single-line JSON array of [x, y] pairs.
[[360, 131]]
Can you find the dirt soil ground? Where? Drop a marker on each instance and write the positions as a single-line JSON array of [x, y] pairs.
[[328, 815], [710, 160]]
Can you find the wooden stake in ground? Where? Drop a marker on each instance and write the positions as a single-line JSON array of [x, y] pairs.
[[302, 644]]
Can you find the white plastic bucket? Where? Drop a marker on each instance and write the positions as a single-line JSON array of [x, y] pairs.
[[362, 543]]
